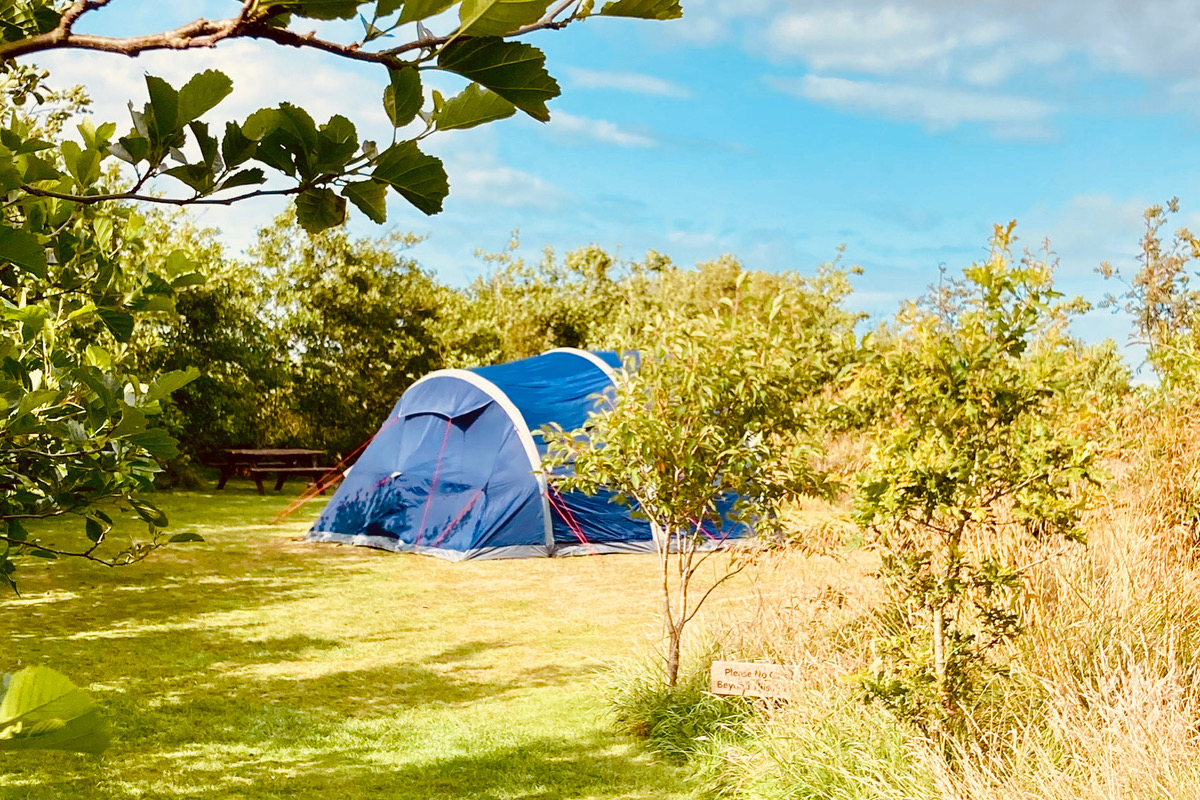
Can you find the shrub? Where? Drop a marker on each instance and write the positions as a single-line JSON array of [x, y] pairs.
[[676, 724]]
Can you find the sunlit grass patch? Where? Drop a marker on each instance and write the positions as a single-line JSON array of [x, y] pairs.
[[256, 665]]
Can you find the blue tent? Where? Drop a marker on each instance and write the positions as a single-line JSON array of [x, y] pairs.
[[455, 471]]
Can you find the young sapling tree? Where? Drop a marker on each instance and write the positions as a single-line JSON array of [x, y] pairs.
[[714, 418], [970, 467]]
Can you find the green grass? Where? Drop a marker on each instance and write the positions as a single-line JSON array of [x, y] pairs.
[[255, 665]]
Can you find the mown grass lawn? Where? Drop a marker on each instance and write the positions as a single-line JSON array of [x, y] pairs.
[[255, 665]]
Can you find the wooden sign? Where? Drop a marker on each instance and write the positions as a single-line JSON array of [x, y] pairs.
[[751, 679]]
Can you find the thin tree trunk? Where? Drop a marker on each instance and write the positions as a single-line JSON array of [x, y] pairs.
[[939, 649], [939, 614], [663, 541], [673, 658]]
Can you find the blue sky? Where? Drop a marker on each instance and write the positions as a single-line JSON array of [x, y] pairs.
[[777, 131]]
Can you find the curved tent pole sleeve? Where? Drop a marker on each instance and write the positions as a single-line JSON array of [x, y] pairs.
[[523, 433], [591, 358]]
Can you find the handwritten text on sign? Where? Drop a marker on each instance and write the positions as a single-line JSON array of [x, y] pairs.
[[751, 679]]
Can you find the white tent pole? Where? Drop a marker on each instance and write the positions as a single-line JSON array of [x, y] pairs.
[[518, 419]]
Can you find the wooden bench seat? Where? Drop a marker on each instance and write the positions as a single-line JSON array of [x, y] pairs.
[[282, 473]]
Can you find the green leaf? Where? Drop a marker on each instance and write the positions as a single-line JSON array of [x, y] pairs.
[[177, 262], [198, 177], [97, 356], [164, 102], [413, 10], [37, 169], [119, 322], [258, 125], [418, 178], [291, 145], [17, 530], [299, 123], [209, 149], [370, 197], [131, 148], [473, 106], [149, 513], [402, 98], [84, 165], [32, 319], [513, 70], [132, 421], [337, 141], [10, 174], [499, 17], [105, 393], [94, 529], [22, 249], [236, 147], [43, 710], [202, 93], [320, 209], [321, 9], [245, 177], [185, 537], [168, 382], [643, 9], [156, 442], [153, 302]]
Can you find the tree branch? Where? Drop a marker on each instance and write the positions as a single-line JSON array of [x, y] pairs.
[[129, 556], [703, 597], [67, 21], [24, 451], [201, 33], [92, 199], [208, 33]]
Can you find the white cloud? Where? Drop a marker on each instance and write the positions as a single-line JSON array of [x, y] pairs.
[[477, 175], [505, 186], [713, 21], [625, 82], [573, 128], [887, 36], [935, 108], [1050, 47], [883, 40]]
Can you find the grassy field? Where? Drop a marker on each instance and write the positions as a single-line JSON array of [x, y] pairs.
[[255, 665]]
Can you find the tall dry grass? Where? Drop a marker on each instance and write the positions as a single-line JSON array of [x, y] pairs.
[[1103, 697]]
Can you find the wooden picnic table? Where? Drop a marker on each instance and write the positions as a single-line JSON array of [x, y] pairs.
[[280, 461]]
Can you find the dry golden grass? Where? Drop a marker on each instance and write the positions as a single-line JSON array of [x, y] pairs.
[[1103, 701]]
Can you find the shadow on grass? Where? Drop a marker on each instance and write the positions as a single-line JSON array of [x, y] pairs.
[[545, 769], [344, 734], [205, 702], [536, 769]]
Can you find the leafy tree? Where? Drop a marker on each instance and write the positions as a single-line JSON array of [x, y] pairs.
[[521, 309], [715, 413], [589, 299], [74, 417], [73, 280], [220, 329], [970, 466], [1160, 298], [357, 322]]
